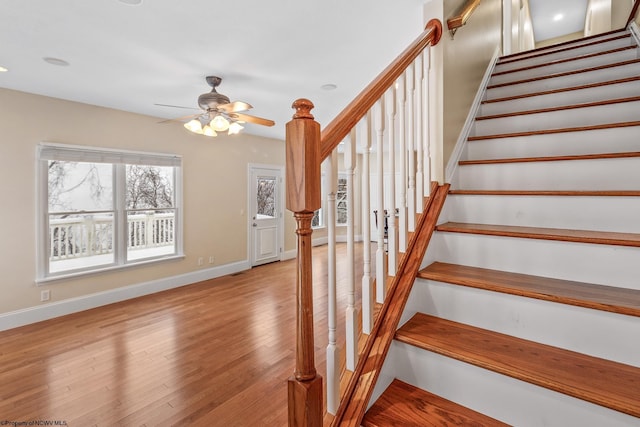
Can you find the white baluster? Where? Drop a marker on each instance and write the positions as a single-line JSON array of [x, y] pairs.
[[392, 232], [352, 312], [333, 351], [381, 265], [402, 172], [419, 136], [426, 95], [411, 132], [367, 282]]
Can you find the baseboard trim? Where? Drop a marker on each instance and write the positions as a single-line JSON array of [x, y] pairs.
[[468, 124], [635, 32], [31, 315]]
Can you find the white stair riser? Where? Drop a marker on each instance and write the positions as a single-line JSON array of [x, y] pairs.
[[593, 332], [564, 54], [604, 75], [594, 94], [618, 214], [575, 117], [578, 42], [581, 262], [561, 67], [596, 174], [569, 143], [514, 402]]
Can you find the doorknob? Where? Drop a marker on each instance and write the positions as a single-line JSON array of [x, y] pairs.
[[255, 225]]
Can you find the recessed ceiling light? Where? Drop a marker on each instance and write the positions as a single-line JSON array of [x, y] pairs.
[[131, 2], [329, 86], [3, 69], [558, 17], [56, 61]]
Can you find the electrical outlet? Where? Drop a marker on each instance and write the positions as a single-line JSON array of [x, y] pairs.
[[200, 261], [211, 259], [45, 295]]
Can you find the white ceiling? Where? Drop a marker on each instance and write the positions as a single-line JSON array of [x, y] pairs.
[[268, 53], [543, 12]]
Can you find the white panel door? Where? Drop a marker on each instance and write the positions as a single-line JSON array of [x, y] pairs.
[[265, 215]]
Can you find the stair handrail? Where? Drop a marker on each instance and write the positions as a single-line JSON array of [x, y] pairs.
[[340, 127], [634, 12], [462, 17]]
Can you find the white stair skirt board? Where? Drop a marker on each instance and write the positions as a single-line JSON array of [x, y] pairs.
[[593, 332], [622, 174], [509, 400], [554, 48], [566, 52], [566, 66], [557, 119], [558, 99], [581, 262], [568, 143], [606, 213], [600, 75]]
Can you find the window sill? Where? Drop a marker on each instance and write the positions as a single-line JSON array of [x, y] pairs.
[[107, 269]]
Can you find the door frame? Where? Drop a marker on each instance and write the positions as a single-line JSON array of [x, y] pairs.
[[250, 241]]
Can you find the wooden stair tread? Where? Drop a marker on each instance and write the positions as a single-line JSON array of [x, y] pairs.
[[598, 297], [552, 51], [561, 234], [402, 404], [563, 60], [564, 89], [603, 382], [566, 73], [555, 46], [560, 108], [554, 131], [551, 158]]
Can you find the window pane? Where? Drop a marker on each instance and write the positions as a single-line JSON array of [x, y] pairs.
[[266, 197], [341, 201], [80, 241], [150, 233], [316, 221], [79, 186], [149, 187]]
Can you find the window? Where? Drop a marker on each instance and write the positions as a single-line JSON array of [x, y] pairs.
[[100, 209], [341, 200], [318, 220]]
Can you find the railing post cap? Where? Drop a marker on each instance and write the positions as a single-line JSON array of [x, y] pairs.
[[438, 30], [303, 109]]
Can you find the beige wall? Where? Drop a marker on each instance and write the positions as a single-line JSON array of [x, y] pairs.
[[598, 19], [214, 183], [620, 10], [466, 58], [561, 39]]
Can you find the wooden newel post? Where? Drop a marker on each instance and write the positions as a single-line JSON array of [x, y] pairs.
[[303, 198]]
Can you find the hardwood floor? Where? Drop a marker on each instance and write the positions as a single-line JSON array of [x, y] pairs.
[[217, 352]]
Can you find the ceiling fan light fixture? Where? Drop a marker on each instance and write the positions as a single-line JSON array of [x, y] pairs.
[[235, 128], [194, 126], [208, 131], [219, 123]]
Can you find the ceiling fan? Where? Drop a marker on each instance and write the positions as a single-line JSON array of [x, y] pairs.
[[218, 113]]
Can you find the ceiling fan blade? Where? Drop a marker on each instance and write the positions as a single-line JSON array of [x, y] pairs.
[[254, 119], [234, 107], [176, 106], [178, 119]]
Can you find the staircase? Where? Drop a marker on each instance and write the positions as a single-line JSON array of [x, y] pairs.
[[527, 309]]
